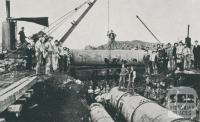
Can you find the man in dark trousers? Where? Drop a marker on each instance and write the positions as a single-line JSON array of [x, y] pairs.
[[196, 52], [22, 36], [122, 79], [64, 60], [29, 57], [175, 55]]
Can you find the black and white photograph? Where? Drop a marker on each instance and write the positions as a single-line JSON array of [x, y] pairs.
[[99, 60]]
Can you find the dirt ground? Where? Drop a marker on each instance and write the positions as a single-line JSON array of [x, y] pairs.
[[55, 100]]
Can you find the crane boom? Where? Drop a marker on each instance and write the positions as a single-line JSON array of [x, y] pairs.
[[75, 23], [148, 28]]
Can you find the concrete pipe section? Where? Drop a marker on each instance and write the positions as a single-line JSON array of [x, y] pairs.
[[99, 114], [136, 108]]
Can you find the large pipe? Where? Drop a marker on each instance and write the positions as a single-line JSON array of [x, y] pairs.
[[95, 57], [99, 114], [136, 108]]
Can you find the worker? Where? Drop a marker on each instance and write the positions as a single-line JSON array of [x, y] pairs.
[[169, 51], [164, 58], [48, 53], [56, 54], [132, 76], [39, 50], [29, 57], [69, 55], [158, 60], [146, 59], [153, 57], [198, 110], [22, 36], [64, 60], [175, 55], [187, 57], [90, 95], [97, 91], [180, 55], [107, 96], [111, 35], [123, 74], [196, 50], [107, 89], [147, 91], [102, 89], [111, 38]]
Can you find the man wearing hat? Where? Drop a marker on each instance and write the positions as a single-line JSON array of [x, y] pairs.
[[111, 35], [22, 36], [48, 53], [64, 59], [187, 57], [175, 55], [56, 54], [169, 51], [196, 52], [39, 50], [179, 51]]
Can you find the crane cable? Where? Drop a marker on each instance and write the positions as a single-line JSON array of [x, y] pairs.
[[62, 18], [54, 28], [108, 15], [109, 43], [60, 21], [65, 17]]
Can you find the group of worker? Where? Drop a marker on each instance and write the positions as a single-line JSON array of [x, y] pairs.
[[47, 52], [131, 73], [169, 58], [155, 90], [93, 93]]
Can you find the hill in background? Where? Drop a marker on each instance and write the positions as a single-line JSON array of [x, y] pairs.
[[123, 45]]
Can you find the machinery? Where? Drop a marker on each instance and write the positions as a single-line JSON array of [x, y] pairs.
[[136, 108], [183, 101], [99, 114], [9, 28], [188, 39]]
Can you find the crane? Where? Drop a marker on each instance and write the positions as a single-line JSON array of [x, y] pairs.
[[75, 23], [147, 28]]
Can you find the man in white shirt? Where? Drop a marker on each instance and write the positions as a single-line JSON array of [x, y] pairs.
[[39, 50], [180, 48], [179, 52], [48, 53], [187, 57], [56, 54]]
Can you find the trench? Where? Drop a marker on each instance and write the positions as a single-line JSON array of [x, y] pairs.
[[55, 102], [52, 102]]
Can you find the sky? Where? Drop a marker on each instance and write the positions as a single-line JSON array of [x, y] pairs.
[[168, 19]]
